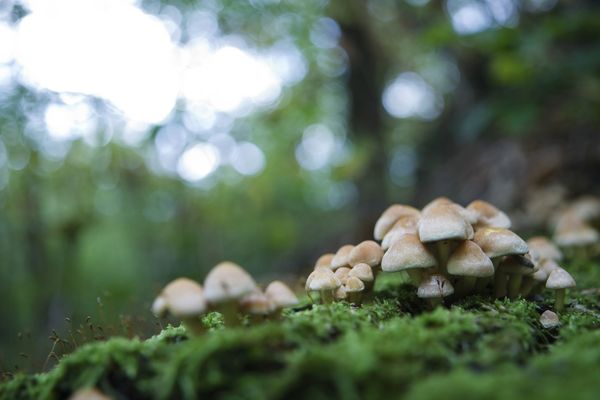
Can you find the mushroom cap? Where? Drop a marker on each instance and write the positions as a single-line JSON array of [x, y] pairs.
[[342, 257], [353, 284], [436, 202], [408, 252], [362, 271], [573, 231], [489, 215], [89, 394], [256, 303], [497, 242], [340, 293], [181, 298], [549, 266], [517, 265], [227, 281], [549, 319], [368, 252], [281, 295], [443, 222], [541, 248], [322, 279], [560, 279], [586, 207], [342, 274], [324, 260], [435, 286], [403, 226], [469, 260], [389, 218]]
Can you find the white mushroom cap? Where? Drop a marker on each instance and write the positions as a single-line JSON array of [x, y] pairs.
[[322, 279], [280, 295], [560, 279], [442, 200], [586, 207], [256, 303], [541, 248], [403, 226], [516, 264], [408, 252], [435, 286], [324, 260], [573, 231], [389, 218], [497, 242], [363, 272], [181, 298], [443, 222], [549, 319], [353, 284], [469, 260], [227, 281], [342, 274], [368, 252], [489, 215], [342, 257]]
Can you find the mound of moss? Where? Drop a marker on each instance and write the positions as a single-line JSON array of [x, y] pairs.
[[392, 347]]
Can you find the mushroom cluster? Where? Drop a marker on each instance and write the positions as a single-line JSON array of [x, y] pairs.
[[450, 250], [574, 226], [229, 289]]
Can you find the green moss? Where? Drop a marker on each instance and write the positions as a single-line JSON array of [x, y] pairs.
[[393, 345]]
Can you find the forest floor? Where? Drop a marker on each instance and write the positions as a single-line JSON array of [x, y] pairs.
[[393, 347]]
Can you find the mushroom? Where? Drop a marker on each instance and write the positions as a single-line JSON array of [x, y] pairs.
[[89, 394], [403, 226], [341, 258], [389, 218], [515, 267], [342, 274], [257, 305], [340, 293], [184, 299], [280, 295], [368, 252], [408, 254], [560, 280], [572, 231], [443, 225], [549, 319], [354, 288], [323, 281], [488, 215], [532, 283], [541, 248], [224, 286], [324, 260], [469, 262], [434, 288], [363, 272]]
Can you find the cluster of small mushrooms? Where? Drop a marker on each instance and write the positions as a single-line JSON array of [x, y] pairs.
[[229, 289], [447, 251]]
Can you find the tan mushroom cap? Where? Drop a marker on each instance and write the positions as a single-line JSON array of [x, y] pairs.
[[389, 218], [572, 231], [408, 252], [488, 215], [435, 286], [181, 298], [541, 248], [517, 264], [469, 260], [443, 222], [560, 279], [368, 252], [497, 242], [342, 274], [342, 257], [280, 295], [403, 226], [89, 394], [324, 260], [362, 271], [353, 285], [549, 319], [322, 279], [442, 200], [227, 281], [256, 303]]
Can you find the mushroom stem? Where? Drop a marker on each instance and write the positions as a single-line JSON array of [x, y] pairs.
[[514, 285], [327, 296], [481, 285], [414, 275], [354, 297], [193, 325], [435, 302], [229, 310], [443, 251], [559, 303], [465, 285]]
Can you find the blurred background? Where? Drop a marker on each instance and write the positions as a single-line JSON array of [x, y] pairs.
[[145, 140]]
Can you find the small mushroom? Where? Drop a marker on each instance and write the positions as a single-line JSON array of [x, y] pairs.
[[403, 226], [324, 260], [280, 295], [354, 288], [389, 218], [342, 257], [257, 305], [342, 274], [559, 280], [368, 252], [515, 267], [410, 255], [572, 231], [549, 319], [541, 248], [364, 272], [89, 394], [323, 281], [434, 288], [224, 286], [469, 262], [488, 215], [184, 299]]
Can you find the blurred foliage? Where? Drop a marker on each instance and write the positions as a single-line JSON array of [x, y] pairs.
[[98, 231]]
